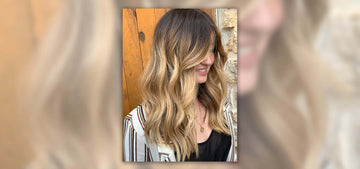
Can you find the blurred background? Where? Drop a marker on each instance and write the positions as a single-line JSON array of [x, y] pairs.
[[25, 22], [339, 43]]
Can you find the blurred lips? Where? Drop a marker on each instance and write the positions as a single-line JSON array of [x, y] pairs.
[[248, 56]]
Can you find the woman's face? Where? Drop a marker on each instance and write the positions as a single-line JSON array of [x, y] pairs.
[[254, 33], [203, 68]]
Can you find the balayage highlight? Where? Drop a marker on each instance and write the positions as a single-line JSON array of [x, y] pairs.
[[182, 40]]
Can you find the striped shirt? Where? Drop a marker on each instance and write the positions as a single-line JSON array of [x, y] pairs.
[[138, 149]]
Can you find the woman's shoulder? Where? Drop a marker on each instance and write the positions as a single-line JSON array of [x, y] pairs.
[[137, 111], [137, 118]]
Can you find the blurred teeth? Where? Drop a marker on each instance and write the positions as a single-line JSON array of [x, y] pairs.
[[201, 70], [246, 50]]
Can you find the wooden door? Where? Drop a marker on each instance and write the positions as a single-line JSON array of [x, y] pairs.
[[138, 28]]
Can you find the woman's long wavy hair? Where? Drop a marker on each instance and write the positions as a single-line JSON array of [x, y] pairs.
[[282, 123], [182, 40]]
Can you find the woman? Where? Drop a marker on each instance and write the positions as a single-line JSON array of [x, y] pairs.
[[184, 115], [75, 89], [281, 104]]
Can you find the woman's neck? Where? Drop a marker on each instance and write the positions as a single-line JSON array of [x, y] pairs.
[[202, 127]]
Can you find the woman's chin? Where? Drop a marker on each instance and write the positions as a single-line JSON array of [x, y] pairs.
[[247, 81], [201, 80]]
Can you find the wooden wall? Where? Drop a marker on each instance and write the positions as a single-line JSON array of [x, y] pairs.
[[138, 28]]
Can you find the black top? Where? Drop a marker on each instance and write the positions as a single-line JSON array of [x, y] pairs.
[[215, 148]]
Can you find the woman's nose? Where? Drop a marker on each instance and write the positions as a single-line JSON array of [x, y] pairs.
[[265, 16], [209, 59]]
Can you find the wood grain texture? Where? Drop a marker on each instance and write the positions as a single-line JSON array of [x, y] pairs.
[[159, 13], [138, 31], [125, 97], [132, 60], [146, 27]]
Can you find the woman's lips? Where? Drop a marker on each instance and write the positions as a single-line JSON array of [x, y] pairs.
[[248, 56], [202, 71]]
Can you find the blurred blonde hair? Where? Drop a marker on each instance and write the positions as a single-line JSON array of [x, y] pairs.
[[275, 130], [182, 40], [74, 88]]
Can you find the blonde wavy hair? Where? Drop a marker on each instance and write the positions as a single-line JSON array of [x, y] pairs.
[[182, 39], [283, 122], [73, 90]]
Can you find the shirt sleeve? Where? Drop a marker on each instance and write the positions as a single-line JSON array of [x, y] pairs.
[[232, 157], [134, 145]]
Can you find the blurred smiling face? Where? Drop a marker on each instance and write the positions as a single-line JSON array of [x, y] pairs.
[[203, 68], [254, 33]]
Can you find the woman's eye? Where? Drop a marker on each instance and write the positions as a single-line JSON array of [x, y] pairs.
[[214, 49]]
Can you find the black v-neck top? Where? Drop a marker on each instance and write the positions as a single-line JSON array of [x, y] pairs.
[[215, 148]]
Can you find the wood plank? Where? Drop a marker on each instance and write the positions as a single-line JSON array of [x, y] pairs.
[[159, 12], [146, 26], [132, 61], [125, 97], [210, 12]]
